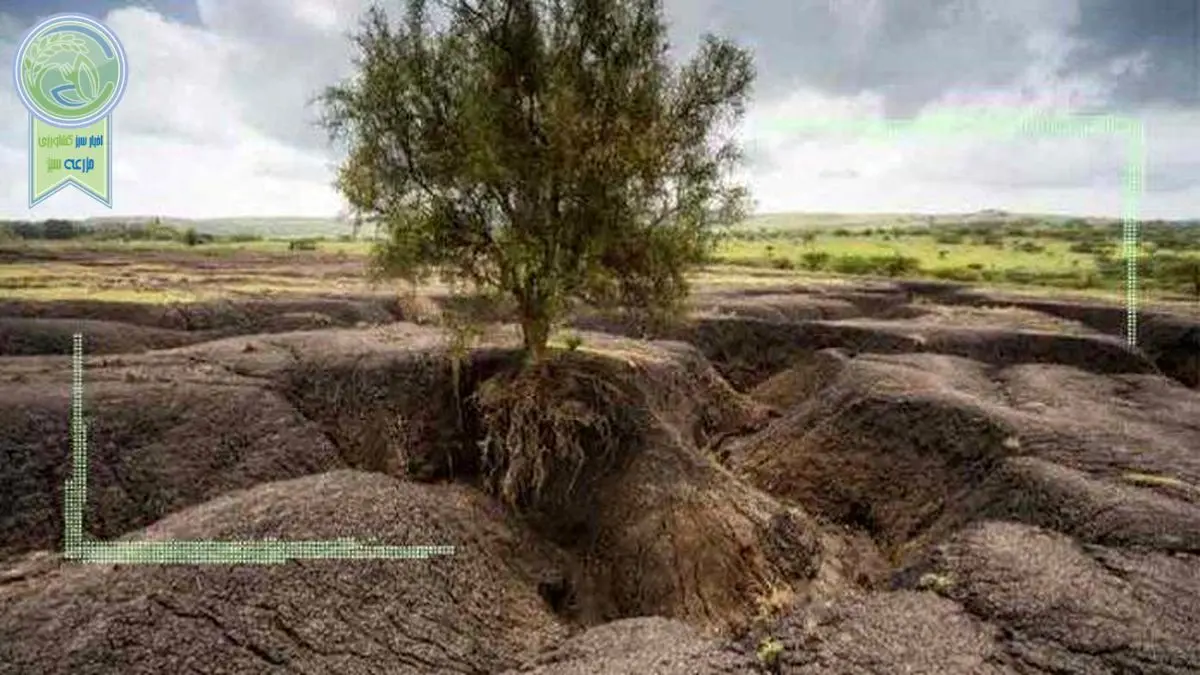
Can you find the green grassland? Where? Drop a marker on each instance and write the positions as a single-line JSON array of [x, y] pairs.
[[991, 248]]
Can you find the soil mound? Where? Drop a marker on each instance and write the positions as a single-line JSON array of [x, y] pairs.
[[1106, 318], [1059, 508], [749, 347], [1174, 345], [29, 337], [890, 632], [880, 449], [1171, 342], [244, 317], [901, 444], [224, 317], [474, 612], [747, 352], [779, 307], [986, 316], [1071, 608], [1093, 353], [807, 376], [999, 346], [136, 313], [650, 645], [153, 447]]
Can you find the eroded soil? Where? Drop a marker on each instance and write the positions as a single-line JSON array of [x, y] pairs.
[[803, 479]]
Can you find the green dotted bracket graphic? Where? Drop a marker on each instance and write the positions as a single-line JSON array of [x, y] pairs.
[[1013, 123], [79, 546]]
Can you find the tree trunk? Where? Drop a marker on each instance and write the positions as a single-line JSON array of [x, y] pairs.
[[535, 329]]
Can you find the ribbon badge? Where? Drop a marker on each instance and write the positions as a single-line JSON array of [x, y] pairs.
[[70, 72]]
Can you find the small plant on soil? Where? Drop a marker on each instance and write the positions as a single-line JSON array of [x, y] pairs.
[[773, 604], [573, 341], [769, 650], [938, 583]]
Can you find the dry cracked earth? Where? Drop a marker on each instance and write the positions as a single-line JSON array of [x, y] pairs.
[[875, 479]]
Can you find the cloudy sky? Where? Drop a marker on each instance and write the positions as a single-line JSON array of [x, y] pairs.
[[215, 120]]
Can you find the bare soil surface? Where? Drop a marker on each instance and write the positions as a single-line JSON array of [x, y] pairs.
[[472, 612], [796, 478]]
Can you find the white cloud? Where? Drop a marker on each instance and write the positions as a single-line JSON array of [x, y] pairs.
[[215, 122], [956, 172]]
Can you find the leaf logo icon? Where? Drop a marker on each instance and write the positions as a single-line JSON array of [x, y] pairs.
[[70, 71]]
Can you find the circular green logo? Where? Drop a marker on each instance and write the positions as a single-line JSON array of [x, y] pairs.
[[70, 71]]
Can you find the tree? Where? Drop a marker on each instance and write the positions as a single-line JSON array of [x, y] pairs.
[[548, 150], [1179, 271], [59, 229]]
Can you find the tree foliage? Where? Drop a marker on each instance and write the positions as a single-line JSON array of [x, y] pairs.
[[550, 150]]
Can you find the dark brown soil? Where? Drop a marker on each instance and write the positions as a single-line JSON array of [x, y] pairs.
[[810, 479], [1044, 484], [160, 439], [651, 645], [31, 328], [24, 336], [477, 611]]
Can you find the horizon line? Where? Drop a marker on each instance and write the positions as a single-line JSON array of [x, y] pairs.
[[756, 214]]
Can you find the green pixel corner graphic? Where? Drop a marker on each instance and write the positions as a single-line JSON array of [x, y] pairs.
[[77, 545]]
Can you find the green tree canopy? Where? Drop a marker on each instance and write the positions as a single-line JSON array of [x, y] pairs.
[[550, 150]]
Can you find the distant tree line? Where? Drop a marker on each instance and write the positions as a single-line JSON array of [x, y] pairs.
[[60, 229], [56, 229]]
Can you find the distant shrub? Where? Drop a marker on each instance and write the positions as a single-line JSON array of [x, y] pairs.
[[191, 237], [841, 232], [894, 265], [1020, 276], [901, 265], [302, 245], [950, 237], [814, 260], [1029, 247], [783, 264], [958, 274], [242, 237], [1089, 246], [1174, 272]]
